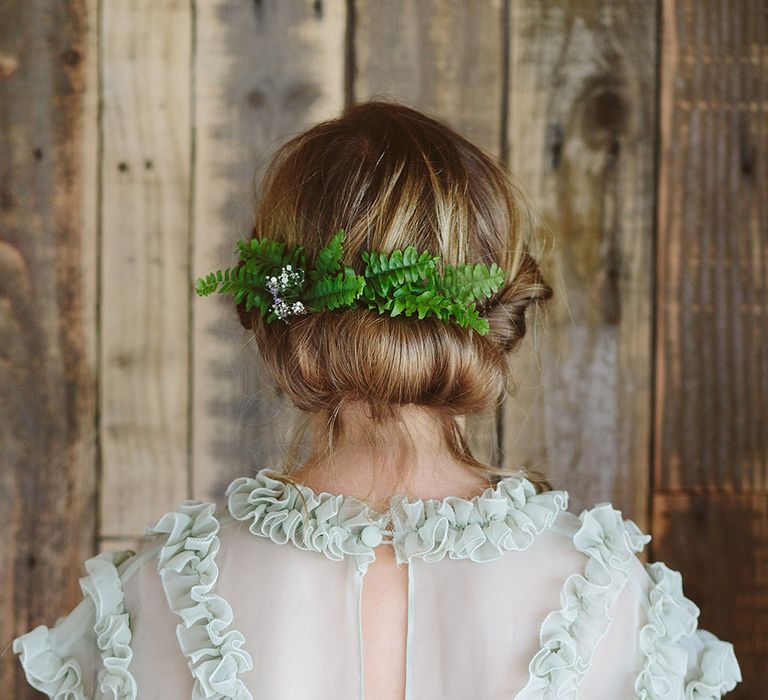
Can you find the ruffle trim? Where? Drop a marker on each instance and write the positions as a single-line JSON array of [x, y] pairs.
[[681, 661], [188, 570], [507, 517], [570, 635], [332, 524], [61, 678], [112, 629], [715, 668]]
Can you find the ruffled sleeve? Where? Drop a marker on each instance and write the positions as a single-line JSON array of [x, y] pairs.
[[678, 659], [652, 648], [86, 653], [189, 573], [624, 629]]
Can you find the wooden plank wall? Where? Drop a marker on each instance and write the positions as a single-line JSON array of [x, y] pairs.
[[145, 166], [48, 328], [710, 468], [132, 133]]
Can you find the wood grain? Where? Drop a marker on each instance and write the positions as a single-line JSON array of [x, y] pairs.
[[446, 59], [144, 303], [710, 500], [47, 307], [264, 71], [712, 345], [581, 142]]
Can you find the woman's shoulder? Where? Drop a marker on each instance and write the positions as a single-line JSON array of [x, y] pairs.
[[88, 647], [615, 600], [89, 651]]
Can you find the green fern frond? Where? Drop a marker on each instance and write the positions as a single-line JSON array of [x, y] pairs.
[[399, 282], [384, 271], [209, 284], [328, 260], [263, 256], [333, 292], [469, 282], [411, 300], [467, 315], [238, 282]]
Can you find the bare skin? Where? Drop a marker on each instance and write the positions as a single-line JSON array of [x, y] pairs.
[[433, 472], [354, 471]]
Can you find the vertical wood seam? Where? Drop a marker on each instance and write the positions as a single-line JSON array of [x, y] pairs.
[[653, 282], [497, 457], [505, 78], [191, 185], [98, 448], [762, 223], [350, 58]]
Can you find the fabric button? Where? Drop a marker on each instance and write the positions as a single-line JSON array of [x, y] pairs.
[[371, 536]]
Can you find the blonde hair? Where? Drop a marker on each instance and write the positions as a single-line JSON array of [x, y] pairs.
[[392, 176]]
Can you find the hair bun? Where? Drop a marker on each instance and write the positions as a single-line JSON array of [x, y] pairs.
[[506, 310]]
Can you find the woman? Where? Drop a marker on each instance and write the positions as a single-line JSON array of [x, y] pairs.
[[387, 283]]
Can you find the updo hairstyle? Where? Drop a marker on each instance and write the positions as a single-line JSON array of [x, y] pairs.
[[392, 176]]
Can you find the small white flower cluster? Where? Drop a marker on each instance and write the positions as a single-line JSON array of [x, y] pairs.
[[289, 280]]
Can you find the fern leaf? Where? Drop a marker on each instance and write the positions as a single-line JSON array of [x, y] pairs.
[[328, 260], [263, 256], [384, 271], [333, 292], [467, 283]]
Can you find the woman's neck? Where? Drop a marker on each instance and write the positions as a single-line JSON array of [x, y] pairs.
[[424, 463]]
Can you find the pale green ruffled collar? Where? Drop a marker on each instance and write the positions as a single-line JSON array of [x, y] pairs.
[[507, 516]]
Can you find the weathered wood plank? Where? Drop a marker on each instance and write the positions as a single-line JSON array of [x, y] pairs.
[[145, 291], [710, 505], [47, 307], [712, 345], [264, 71], [444, 58], [581, 141], [441, 57]]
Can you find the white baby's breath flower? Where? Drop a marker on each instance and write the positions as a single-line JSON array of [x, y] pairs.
[[287, 284]]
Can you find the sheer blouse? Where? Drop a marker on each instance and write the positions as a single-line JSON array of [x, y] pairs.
[[510, 596]]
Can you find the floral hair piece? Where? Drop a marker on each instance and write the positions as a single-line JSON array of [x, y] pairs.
[[275, 280]]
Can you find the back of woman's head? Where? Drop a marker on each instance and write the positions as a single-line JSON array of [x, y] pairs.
[[391, 176]]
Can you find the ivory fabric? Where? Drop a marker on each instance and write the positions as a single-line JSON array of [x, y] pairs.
[[510, 596]]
